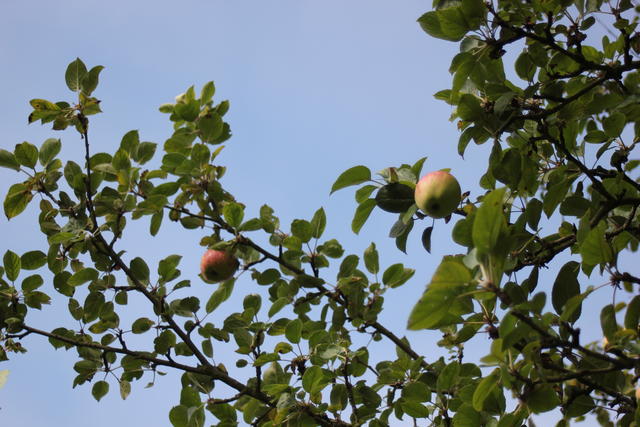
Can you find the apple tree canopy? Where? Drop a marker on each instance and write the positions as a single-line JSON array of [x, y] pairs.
[[558, 102]]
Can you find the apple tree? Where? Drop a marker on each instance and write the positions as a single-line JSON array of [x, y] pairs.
[[559, 194]]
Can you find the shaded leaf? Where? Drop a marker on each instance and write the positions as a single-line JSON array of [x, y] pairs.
[[565, 287], [99, 390]]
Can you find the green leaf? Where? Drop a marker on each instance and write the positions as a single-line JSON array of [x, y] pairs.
[[524, 66], [614, 124], [140, 270], [469, 108], [90, 80], [448, 377], [362, 214], [396, 274], [302, 230], [206, 95], [243, 338], [156, 221], [414, 409], [189, 397], [220, 295], [278, 305], [580, 406], [533, 213], [146, 151], [608, 321], [445, 298], [371, 259], [211, 127], [314, 379], [338, 396], [49, 150], [121, 160], [74, 75], [573, 306], [99, 390], [452, 23], [26, 154], [555, 194], [141, 325], [167, 267], [8, 160], [483, 390], [32, 283], [33, 260], [632, 316], [565, 287], [293, 331], [233, 213], [364, 192], [466, 416], [35, 299], [129, 143], [83, 276], [417, 166], [11, 262], [74, 176], [595, 249], [596, 137], [17, 200], [63, 236], [542, 399], [353, 176], [251, 225], [179, 416], [318, 223], [125, 389], [426, 238], [166, 189], [489, 222], [416, 391]]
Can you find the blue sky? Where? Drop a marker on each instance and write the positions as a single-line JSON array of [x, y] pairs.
[[315, 88]]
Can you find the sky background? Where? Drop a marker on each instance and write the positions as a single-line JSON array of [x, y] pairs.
[[315, 88]]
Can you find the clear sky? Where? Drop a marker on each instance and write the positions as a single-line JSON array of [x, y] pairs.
[[315, 88]]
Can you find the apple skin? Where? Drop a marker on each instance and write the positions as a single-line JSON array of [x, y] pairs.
[[217, 266], [438, 194]]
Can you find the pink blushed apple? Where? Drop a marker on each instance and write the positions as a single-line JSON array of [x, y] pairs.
[[217, 266]]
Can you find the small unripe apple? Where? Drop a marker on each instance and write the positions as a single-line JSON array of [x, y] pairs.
[[217, 265], [395, 197], [438, 194]]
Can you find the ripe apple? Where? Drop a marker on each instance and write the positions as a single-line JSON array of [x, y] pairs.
[[217, 265], [437, 194], [637, 393]]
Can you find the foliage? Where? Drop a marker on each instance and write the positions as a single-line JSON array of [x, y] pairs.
[[562, 127]]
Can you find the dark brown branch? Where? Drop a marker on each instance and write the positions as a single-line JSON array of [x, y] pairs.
[[546, 253], [350, 397], [211, 371], [625, 277]]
